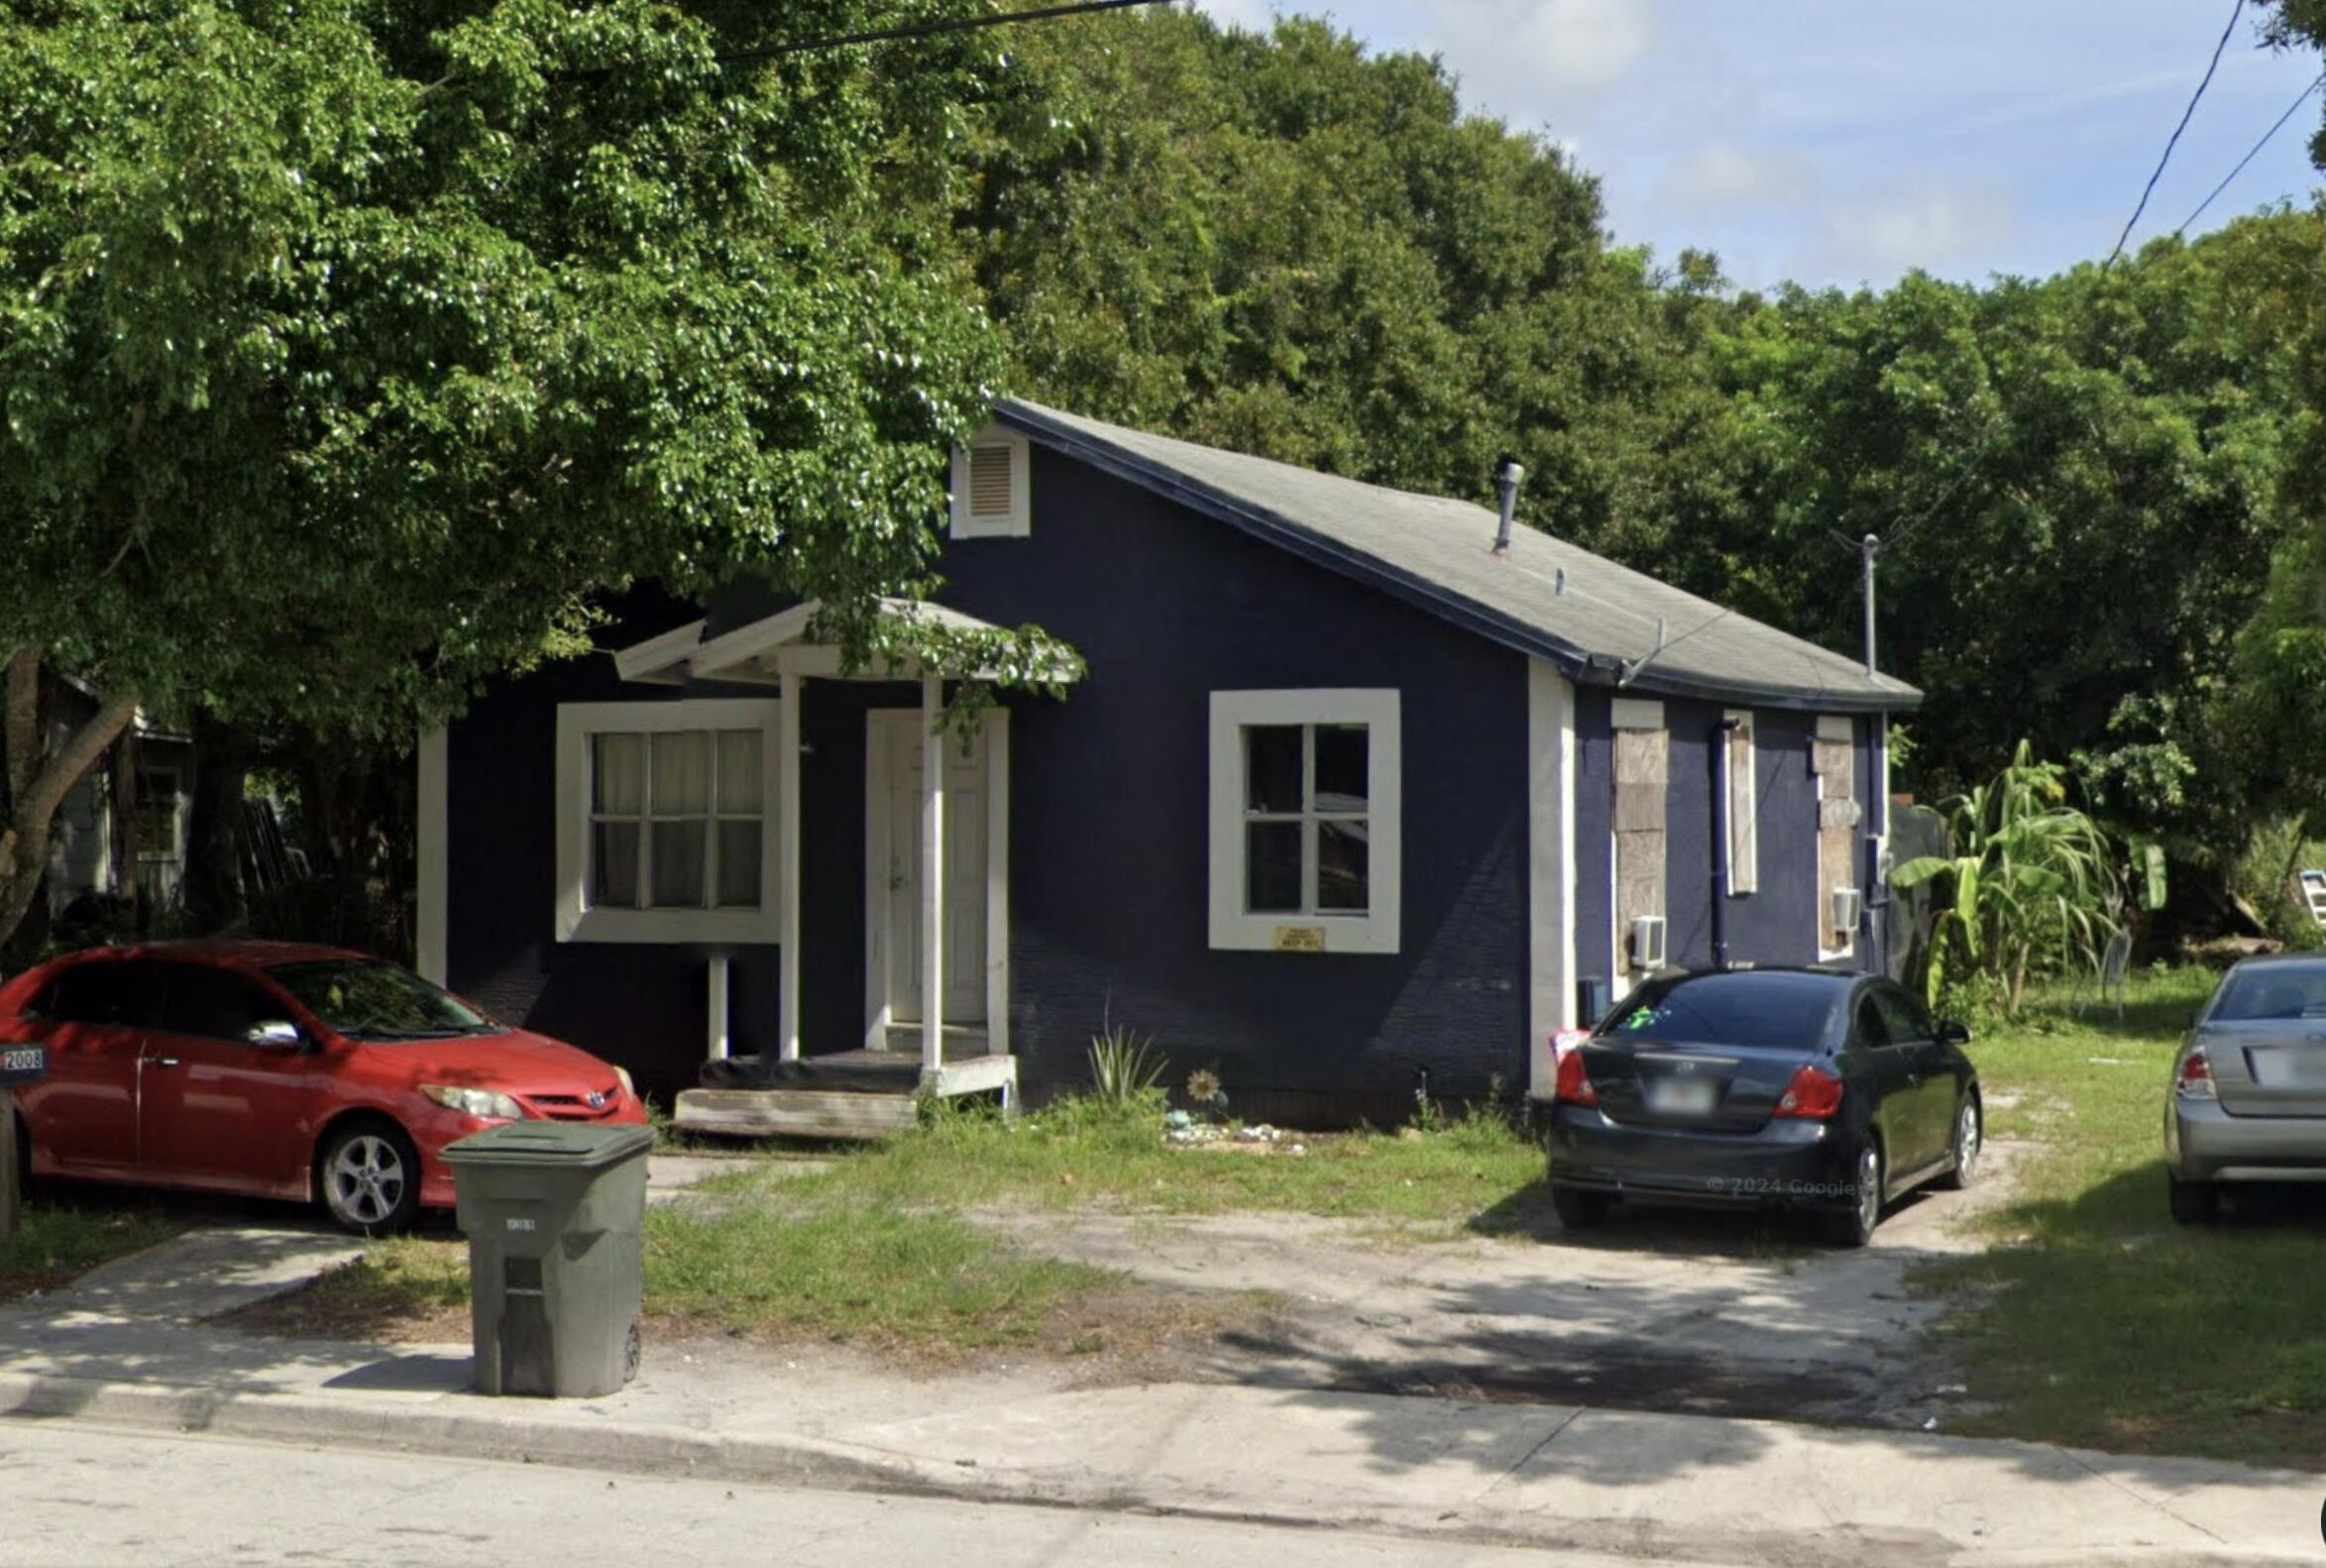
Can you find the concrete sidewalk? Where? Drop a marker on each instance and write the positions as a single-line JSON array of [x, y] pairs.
[[127, 1347]]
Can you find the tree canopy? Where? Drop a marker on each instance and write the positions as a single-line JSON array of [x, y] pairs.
[[348, 348]]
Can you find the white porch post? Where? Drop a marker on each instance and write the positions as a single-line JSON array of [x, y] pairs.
[[932, 877], [787, 810], [715, 1011]]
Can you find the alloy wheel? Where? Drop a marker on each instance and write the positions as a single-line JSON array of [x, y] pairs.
[[365, 1181], [1966, 1143], [1869, 1189]]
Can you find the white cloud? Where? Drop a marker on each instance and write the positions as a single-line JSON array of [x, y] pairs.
[[1934, 225], [1576, 48], [1720, 177]]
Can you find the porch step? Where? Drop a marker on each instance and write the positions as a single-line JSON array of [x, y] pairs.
[[867, 1094], [794, 1113]]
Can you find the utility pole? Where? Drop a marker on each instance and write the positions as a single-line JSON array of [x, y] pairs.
[[1866, 549]]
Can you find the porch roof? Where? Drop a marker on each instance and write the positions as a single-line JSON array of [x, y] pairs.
[[761, 652]]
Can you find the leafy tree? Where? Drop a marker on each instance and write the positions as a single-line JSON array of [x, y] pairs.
[[2080, 482], [347, 348], [2031, 883], [1282, 243]]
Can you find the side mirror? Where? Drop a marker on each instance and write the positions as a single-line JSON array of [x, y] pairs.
[[1952, 1032], [276, 1033]]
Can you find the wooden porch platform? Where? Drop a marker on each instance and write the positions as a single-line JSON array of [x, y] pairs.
[[848, 1095]]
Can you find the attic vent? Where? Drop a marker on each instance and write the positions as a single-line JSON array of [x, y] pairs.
[[992, 486], [989, 481]]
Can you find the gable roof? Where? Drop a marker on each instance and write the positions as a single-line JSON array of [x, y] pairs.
[[1602, 624]]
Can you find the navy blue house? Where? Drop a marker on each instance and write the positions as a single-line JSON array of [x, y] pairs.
[[1351, 791]]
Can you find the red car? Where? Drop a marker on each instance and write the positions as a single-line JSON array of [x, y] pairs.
[[279, 1070]]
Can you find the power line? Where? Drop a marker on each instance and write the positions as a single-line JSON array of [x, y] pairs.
[[933, 29], [2250, 154], [2235, 11]]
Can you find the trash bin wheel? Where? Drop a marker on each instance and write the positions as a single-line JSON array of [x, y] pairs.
[[631, 1350], [368, 1175]]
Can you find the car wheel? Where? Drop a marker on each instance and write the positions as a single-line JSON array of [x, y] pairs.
[[1969, 1134], [2193, 1202], [1578, 1210], [369, 1178], [1854, 1227]]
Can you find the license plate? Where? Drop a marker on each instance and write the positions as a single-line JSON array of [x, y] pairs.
[[1682, 1096], [22, 1064]]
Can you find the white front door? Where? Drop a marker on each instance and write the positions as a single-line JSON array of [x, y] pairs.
[[892, 865]]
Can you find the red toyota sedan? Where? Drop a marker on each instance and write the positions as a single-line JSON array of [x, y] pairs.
[[279, 1070]]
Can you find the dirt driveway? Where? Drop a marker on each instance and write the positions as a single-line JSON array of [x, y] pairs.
[[1661, 1310]]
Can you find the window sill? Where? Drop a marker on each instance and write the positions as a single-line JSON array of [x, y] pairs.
[[1300, 934], [651, 926]]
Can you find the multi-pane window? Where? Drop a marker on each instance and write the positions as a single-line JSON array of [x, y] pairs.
[[1306, 798], [676, 819], [667, 821]]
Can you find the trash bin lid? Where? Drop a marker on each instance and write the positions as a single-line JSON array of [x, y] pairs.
[[566, 1144]]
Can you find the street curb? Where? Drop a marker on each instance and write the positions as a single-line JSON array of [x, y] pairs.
[[578, 1437], [523, 1439]]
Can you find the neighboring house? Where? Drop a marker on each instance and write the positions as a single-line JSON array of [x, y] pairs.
[[1348, 796], [124, 825]]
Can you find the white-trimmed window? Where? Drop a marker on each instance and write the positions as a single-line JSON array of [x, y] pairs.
[[666, 822], [1737, 764], [994, 486], [1306, 806]]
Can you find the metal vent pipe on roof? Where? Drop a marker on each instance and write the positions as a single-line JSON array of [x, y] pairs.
[[1507, 473]]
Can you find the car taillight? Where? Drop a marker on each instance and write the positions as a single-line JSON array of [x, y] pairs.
[[1574, 1083], [2194, 1082], [1812, 1095]]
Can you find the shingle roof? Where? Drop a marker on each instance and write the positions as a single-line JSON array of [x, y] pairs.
[[1600, 621]]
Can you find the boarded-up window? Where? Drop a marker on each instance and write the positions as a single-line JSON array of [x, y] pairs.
[[1832, 758], [1744, 802], [1642, 770]]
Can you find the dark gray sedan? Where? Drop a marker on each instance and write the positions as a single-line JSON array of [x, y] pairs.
[[2248, 1084], [1766, 1088]]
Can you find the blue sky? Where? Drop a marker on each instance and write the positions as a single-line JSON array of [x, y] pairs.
[[1837, 143]]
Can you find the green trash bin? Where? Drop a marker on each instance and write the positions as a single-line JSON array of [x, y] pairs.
[[553, 1212]]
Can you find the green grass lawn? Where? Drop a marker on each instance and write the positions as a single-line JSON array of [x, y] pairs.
[[2098, 1321], [876, 1250], [1071, 1154], [60, 1243]]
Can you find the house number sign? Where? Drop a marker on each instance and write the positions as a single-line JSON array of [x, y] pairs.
[[1299, 939], [22, 1064]]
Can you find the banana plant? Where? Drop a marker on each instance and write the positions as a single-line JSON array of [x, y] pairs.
[[2032, 880]]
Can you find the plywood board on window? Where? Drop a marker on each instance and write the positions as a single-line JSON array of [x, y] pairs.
[[1641, 756], [1639, 808], [1642, 765], [1837, 817]]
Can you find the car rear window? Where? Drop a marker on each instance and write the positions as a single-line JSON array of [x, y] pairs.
[[2277, 990], [1751, 1008]]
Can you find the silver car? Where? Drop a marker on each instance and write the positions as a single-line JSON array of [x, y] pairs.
[[2248, 1084]]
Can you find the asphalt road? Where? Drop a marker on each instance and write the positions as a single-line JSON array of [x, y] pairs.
[[87, 1498]]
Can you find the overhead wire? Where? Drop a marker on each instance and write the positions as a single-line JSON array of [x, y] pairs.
[[2250, 154], [2236, 10]]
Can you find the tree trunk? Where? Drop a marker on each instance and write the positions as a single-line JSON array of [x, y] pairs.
[[223, 754], [39, 780]]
